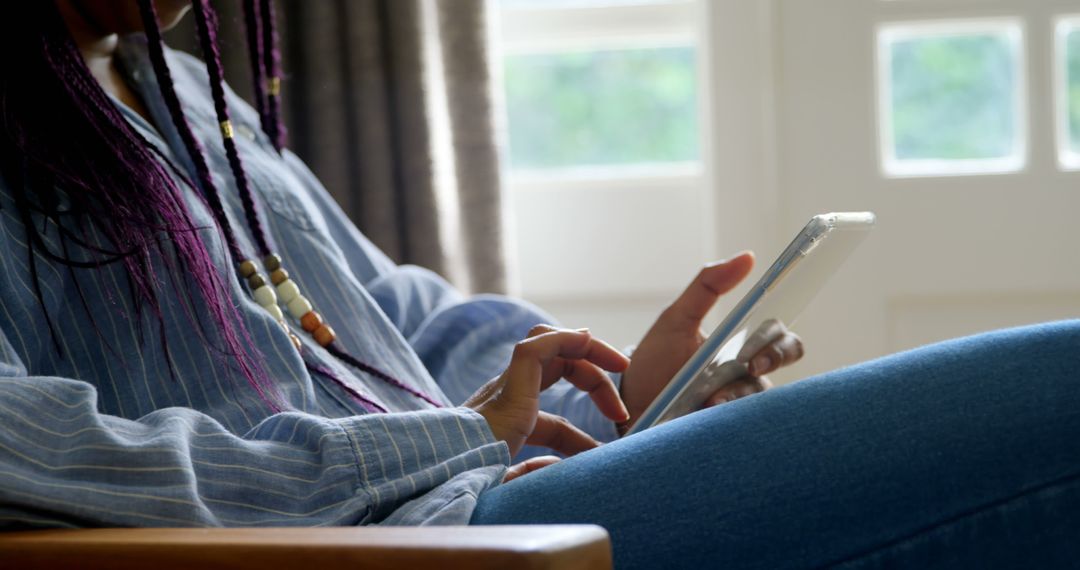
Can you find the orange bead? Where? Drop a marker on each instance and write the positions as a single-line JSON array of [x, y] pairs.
[[311, 321], [324, 335], [279, 276]]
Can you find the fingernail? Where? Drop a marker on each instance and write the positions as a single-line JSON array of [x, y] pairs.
[[583, 330], [759, 365]]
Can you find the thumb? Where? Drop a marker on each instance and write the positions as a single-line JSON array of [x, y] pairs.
[[712, 281], [528, 466]]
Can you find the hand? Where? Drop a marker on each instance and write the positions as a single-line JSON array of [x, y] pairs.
[[677, 334], [768, 348], [511, 402]]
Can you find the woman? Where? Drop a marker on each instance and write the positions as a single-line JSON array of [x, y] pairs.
[[193, 334]]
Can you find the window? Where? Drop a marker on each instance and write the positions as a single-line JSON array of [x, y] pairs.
[[602, 116], [599, 84], [952, 98], [1067, 91], [605, 160]]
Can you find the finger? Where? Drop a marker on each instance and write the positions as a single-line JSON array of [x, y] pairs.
[[558, 434], [540, 329], [766, 360], [738, 389], [768, 332], [700, 296], [605, 356], [533, 355], [602, 353], [528, 466], [782, 352], [589, 378]]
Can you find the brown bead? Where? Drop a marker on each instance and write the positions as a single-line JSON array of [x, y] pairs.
[[324, 335], [278, 276], [256, 281], [311, 321], [272, 262], [248, 268]]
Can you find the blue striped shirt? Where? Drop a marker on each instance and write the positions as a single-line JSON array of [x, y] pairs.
[[100, 433]]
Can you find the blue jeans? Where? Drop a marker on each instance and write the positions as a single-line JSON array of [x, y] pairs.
[[964, 454]]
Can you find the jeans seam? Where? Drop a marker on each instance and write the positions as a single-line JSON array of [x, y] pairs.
[[965, 515]]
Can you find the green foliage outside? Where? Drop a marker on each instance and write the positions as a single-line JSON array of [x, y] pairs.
[[1073, 88], [953, 97], [602, 108]]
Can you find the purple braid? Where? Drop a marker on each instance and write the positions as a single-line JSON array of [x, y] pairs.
[[207, 23], [366, 402], [253, 30], [176, 112], [272, 71], [353, 361], [60, 133]]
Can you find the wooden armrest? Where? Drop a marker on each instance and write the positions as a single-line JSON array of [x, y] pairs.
[[570, 547]]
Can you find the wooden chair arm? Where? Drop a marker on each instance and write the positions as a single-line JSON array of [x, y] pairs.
[[570, 547]]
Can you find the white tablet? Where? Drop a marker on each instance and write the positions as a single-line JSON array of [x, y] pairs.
[[774, 302]]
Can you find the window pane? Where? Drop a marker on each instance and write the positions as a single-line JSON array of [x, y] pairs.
[[953, 101], [1071, 38], [602, 108]]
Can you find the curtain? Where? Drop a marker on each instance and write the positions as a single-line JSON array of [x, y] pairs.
[[391, 104]]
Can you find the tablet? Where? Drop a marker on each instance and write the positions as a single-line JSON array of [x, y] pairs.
[[773, 303]]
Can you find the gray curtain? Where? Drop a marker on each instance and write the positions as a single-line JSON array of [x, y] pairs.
[[390, 102]]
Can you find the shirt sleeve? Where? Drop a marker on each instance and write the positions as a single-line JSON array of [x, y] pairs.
[[464, 342], [62, 463]]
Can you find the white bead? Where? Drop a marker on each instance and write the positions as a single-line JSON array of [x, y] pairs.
[[287, 291], [265, 296], [275, 311], [299, 306]]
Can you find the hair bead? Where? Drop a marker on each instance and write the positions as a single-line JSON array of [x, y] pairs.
[[276, 312], [272, 262], [227, 129], [311, 321], [288, 290], [299, 307], [265, 296], [279, 276], [248, 268], [324, 335], [273, 86], [256, 281]]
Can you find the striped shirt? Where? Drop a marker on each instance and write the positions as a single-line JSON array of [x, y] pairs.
[[96, 431]]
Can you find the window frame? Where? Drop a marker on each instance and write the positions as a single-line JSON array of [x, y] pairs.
[[550, 276], [1014, 28]]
